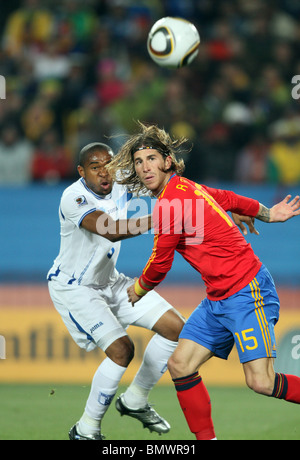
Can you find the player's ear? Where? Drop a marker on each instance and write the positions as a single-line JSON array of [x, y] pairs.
[[80, 170], [168, 163]]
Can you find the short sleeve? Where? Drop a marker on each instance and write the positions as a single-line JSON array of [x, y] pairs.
[[75, 207]]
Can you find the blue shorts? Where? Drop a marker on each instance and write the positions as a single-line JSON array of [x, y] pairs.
[[246, 318]]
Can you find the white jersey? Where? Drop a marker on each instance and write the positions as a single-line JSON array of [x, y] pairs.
[[84, 257]]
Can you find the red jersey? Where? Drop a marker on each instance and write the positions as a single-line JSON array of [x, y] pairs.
[[191, 219]]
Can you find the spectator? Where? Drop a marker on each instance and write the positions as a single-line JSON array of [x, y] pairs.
[[51, 62], [213, 159], [82, 125], [109, 87], [252, 162], [77, 23], [285, 151], [55, 55], [51, 160], [31, 24], [37, 119]]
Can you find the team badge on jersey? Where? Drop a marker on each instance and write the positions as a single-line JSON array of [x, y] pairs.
[[81, 200]]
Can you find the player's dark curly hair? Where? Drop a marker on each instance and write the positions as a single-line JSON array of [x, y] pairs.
[[122, 169]]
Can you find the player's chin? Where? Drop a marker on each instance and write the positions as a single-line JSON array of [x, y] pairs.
[[104, 190], [150, 184]]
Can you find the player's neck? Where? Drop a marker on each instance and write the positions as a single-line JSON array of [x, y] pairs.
[[164, 184]]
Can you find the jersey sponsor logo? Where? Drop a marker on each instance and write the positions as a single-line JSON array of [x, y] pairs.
[[96, 327], [81, 200], [109, 211]]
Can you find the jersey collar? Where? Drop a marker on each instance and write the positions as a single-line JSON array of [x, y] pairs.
[[160, 194], [99, 197]]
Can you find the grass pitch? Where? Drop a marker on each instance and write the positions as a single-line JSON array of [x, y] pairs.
[[45, 412]]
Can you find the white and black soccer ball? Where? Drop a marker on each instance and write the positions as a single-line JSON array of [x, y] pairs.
[[173, 42]]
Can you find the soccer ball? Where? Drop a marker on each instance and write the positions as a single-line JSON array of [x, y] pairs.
[[173, 42]]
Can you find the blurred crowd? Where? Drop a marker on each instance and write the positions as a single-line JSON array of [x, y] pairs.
[[78, 72]]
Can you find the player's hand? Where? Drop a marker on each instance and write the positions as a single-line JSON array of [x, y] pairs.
[[132, 296], [286, 209], [238, 220]]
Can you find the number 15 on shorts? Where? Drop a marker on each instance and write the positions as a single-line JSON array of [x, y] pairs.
[[246, 341]]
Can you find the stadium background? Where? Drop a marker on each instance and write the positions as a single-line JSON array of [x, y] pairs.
[[76, 73]]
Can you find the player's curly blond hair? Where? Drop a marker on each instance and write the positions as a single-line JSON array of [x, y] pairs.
[[122, 169]]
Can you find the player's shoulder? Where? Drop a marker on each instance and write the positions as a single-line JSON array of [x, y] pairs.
[[179, 186], [78, 194], [73, 189]]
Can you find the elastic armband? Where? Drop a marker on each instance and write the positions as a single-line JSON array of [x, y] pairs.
[[139, 290]]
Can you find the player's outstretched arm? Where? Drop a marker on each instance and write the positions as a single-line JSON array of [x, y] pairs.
[[102, 224], [280, 212]]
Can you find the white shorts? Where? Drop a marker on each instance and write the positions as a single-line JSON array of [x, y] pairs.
[[97, 317]]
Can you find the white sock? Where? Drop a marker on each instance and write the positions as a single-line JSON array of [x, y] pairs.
[[154, 365], [104, 387], [87, 425]]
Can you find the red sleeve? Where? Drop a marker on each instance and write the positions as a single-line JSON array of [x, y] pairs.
[[230, 201], [158, 265]]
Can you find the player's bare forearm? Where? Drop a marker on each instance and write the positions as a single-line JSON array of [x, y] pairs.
[[280, 212], [263, 213], [102, 224], [128, 228]]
